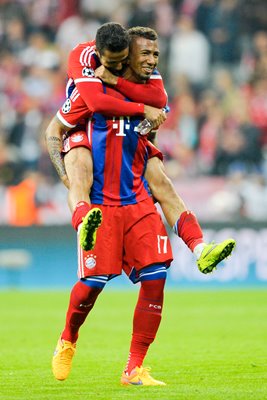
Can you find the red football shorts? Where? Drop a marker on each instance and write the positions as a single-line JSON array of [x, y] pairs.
[[78, 138], [131, 236]]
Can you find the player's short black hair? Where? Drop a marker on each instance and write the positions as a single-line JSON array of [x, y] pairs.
[[113, 37], [142, 31]]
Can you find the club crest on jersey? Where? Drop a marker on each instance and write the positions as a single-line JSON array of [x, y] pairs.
[[66, 106], [88, 72], [90, 261], [76, 138]]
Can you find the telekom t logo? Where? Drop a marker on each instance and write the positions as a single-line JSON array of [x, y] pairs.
[[121, 125]]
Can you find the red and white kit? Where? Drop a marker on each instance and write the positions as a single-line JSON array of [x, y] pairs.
[[132, 234], [81, 82]]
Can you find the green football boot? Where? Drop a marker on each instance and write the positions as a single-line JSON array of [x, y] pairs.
[[213, 254], [89, 226]]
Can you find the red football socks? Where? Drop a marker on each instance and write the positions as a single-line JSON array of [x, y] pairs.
[[189, 230], [147, 317], [82, 300], [80, 211]]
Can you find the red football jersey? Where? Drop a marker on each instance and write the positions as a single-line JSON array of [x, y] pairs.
[[81, 65], [119, 153]]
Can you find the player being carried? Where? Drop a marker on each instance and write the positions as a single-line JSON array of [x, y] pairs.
[[111, 49]]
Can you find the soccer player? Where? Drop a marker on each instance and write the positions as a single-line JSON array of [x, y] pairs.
[[110, 49], [132, 235], [76, 171]]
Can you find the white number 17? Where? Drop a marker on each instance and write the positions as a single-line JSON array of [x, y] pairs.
[[162, 244]]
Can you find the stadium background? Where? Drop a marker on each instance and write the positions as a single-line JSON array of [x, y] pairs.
[[214, 64]]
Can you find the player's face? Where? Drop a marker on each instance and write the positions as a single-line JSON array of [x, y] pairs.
[[143, 57], [115, 62]]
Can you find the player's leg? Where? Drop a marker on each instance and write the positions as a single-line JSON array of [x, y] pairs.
[[146, 321], [183, 221], [95, 268], [82, 300], [146, 244], [79, 168]]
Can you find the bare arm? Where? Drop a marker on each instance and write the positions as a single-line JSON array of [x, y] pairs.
[[163, 190], [54, 136]]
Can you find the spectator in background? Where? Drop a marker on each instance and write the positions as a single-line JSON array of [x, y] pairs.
[[77, 28], [258, 105], [253, 16], [48, 14], [142, 14], [224, 33], [178, 136], [239, 147], [21, 201], [254, 56], [204, 14], [210, 123], [229, 93], [165, 18], [189, 53], [231, 151], [11, 166], [189, 7], [15, 39], [259, 42], [40, 52]]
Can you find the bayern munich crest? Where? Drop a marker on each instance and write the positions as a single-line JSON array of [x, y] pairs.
[[66, 106], [90, 262], [76, 138]]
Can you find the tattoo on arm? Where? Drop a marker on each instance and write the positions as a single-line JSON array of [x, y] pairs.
[[54, 145]]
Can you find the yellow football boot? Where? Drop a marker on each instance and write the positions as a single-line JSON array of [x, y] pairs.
[[140, 376], [61, 362]]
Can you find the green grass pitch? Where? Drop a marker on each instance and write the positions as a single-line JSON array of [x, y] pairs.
[[211, 345]]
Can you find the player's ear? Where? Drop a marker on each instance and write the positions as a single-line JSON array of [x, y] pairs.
[[97, 53]]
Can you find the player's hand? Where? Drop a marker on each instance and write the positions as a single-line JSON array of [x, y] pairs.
[[156, 115], [106, 76]]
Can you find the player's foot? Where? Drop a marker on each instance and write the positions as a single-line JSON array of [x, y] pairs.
[[140, 376], [89, 226], [214, 253], [61, 362]]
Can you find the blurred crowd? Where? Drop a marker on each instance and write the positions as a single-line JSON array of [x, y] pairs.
[[214, 64]]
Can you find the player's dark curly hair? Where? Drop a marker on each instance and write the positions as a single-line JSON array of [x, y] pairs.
[[113, 37], [142, 31]]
